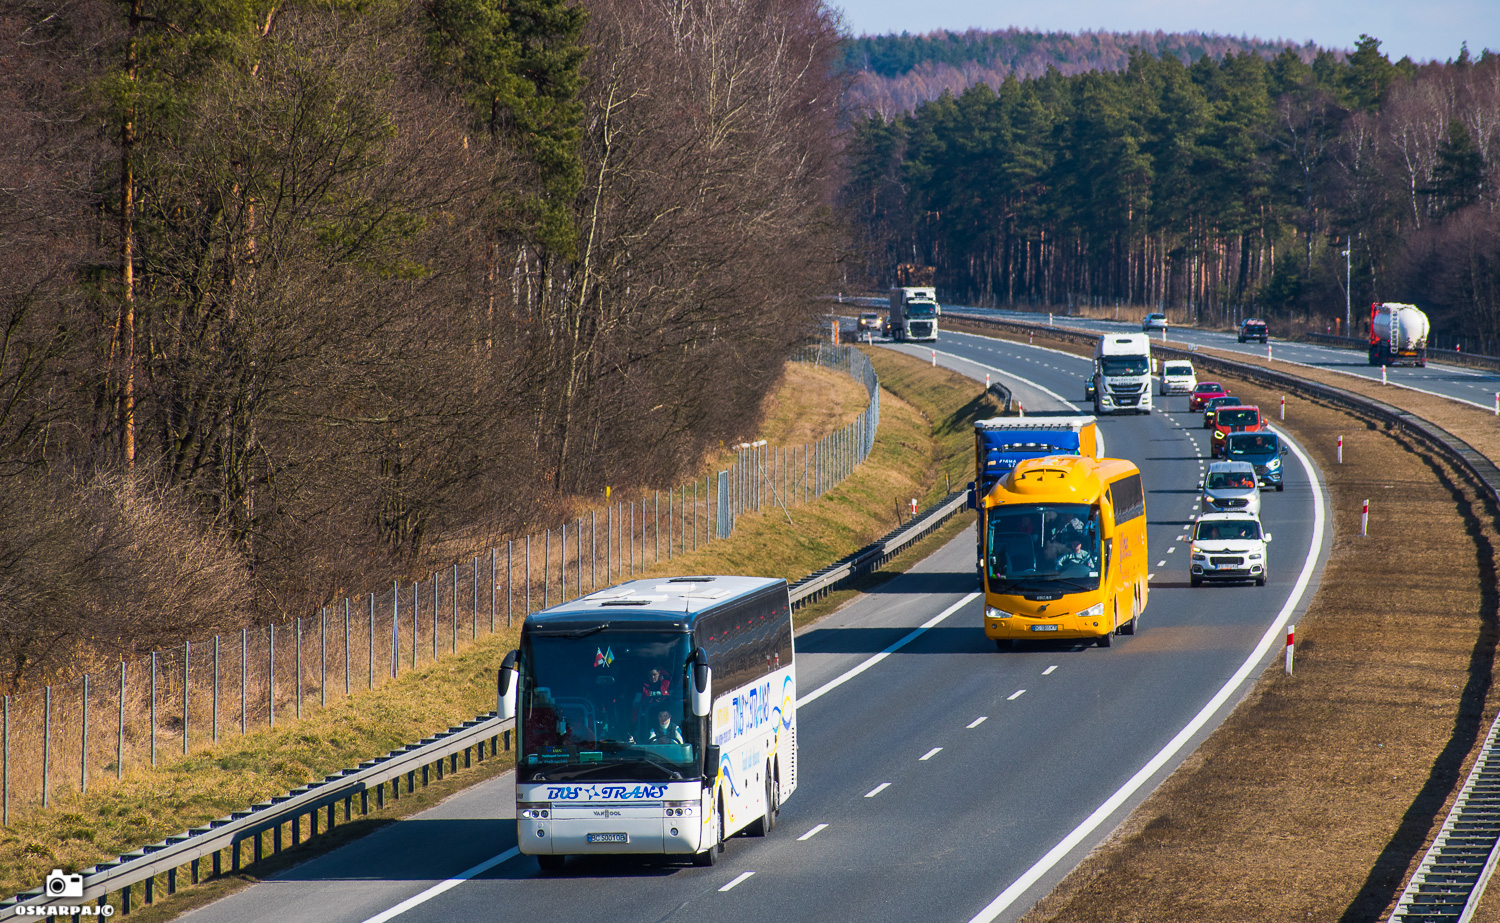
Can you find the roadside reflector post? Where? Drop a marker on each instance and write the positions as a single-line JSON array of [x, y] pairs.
[[1030, 333], [1268, 349], [914, 506], [1382, 376], [1497, 403], [986, 382], [1341, 450], [1291, 634], [1283, 407], [1049, 318], [1364, 518]]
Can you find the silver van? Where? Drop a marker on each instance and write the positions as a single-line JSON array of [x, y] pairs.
[[1230, 487]]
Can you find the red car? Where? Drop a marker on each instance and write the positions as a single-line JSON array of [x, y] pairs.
[[1204, 391], [1234, 418]]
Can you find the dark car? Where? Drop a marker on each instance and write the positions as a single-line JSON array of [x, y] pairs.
[[1252, 328], [1211, 405], [1264, 450]]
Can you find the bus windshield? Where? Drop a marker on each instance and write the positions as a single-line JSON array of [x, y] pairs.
[[606, 705], [1112, 366], [1043, 548]]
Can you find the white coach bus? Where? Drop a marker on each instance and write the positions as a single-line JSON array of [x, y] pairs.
[[657, 717]]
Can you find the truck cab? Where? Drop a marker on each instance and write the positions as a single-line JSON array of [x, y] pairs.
[[1122, 374]]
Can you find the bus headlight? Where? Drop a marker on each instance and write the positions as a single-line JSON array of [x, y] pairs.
[[681, 808], [537, 811], [993, 613], [1092, 612]]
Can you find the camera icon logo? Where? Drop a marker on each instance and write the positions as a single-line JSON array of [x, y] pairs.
[[61, 884]]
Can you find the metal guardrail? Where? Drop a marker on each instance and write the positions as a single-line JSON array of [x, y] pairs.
[[1449, 357], [469, 739], [1452, 875]]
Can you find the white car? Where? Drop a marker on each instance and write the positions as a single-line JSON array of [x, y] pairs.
[[1230, 487], [1178, 377], [1228, 546], [1153, 322]]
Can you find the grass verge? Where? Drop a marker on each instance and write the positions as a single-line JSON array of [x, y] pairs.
[[926, 418]]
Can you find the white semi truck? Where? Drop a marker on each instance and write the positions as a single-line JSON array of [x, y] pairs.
[[1398, 334], [1122, 374], [914, 313]]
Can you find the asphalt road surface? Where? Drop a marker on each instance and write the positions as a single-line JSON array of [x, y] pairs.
[[947, 781]]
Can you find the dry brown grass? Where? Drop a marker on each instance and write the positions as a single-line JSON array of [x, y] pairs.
[[1318, 794]]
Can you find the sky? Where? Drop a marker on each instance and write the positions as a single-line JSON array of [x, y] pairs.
[[1421, 29]]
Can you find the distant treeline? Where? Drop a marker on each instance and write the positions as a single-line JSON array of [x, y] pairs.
[[1227, 186], [291, 292], [894, 74]]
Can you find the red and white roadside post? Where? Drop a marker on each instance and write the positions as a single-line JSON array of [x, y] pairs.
[[934, 358], [1364, 518], [1497, 394], [1341, 450], [986, 382], [1283, 407], [1382, 376], [1291, 635], [914, 506], [1268, 350], [1497, 403]]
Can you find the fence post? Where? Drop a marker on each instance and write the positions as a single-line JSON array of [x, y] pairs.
[[153, 708], [5, 769], [214, 731], [416, 618], [187, 676], [46, 744], [546, 568], [510, 576], [453, 610], [562, 566], [346, 645], [593, 550], [297, 665], [83, 754], [474, 602], [322, 656], [494, 572], [270, 675], [528, 572], [395, 628], [372, 641], [437, 592], [244, 681], [120, 740]]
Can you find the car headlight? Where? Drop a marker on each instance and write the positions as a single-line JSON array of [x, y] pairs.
[[1092, 612], [1255, 555], [993, 613], [1196, 553], [1273, 464]]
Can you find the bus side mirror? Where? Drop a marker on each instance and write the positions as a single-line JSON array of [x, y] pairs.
[[703, 681], [972, 500], [506, 682], [711, 756]]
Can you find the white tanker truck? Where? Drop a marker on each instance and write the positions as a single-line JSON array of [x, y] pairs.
[[1398, 334]]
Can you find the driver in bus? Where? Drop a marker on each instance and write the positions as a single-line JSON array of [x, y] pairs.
[[1075, 555], [665, 730]]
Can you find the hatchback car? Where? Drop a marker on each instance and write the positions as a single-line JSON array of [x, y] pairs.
[[869, 322], [1227, 546], [1252, 328], [1178, 377], [1264, 450], [1211, 406], [1229, 487], [1233, 418], [1153, 322], [1202, 391]]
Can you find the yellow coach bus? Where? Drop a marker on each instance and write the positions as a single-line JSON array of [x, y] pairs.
[[1065, 551]]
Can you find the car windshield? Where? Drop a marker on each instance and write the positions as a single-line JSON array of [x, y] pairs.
[[1222, 401], [1209, 387], [1177, 370], [1123, 365], [592, 702], [1227, 530], [1041, 548], [1229, 480], [1252, 445], [1233, 417]]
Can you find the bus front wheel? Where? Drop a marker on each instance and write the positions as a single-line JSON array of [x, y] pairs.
[[710, 856]]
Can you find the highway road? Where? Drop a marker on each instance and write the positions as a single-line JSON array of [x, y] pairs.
[[947, 781], [1476, 387]]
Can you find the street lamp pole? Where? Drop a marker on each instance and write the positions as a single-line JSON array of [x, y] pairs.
[[1348, 295]]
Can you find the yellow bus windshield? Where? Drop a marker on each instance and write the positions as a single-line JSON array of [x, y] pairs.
[[1043, 548]]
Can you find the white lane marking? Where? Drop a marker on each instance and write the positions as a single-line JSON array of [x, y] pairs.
[[978, 721], [812, 833], [930, 754], [838, 681], [1048, 671], [877, 789], [1016, 695], [739, 878], [1251, 666], [996, 371], [1162, 563], [442, 886], [1170, 550]]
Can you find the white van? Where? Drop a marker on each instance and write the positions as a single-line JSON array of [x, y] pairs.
[[1178, 377], [1122, 374]]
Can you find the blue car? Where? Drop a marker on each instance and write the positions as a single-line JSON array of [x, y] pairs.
[[1264, 450]]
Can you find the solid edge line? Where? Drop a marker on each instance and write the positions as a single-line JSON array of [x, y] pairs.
[[442, 886], [1272, 636], [851, 673]]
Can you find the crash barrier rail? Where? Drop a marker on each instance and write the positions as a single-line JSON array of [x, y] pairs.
[[355, 789], [1447, 356], [79, 734], [1451, 877]]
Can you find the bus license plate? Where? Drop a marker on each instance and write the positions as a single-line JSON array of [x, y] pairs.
[[609, 838], [1044, 628]]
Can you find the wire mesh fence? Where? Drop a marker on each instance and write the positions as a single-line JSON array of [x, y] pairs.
[[81, 734]]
